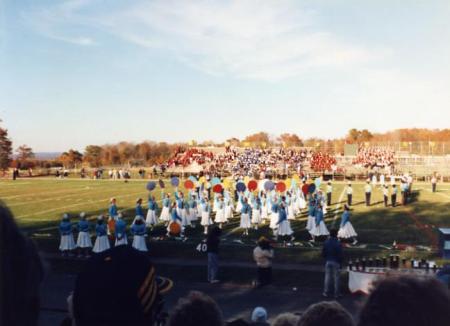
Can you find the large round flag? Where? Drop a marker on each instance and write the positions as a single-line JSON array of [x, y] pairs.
[[151, 185], [240, 186], [227, 183], [269, 185], [252, 185], [305, 189], [217, 188], [215, 181], [311, 188], [188, 184], [317, 182], [281, 186], [161, 184], [288, 183], [175, 181]]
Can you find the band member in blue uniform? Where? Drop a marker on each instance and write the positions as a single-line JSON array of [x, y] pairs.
[[84, 242], [102, 241], [112, 210], [67, 243], [284, 226], [138, 210], [151, 219], [346, 230], [245, 216], [139, 233]]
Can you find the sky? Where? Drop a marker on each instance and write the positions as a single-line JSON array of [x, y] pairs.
[[79, 72]]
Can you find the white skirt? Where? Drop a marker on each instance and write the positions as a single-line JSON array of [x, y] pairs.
[[284, 228], [84, 240], [193, 214], [205, 219], [184, 216], [123, 241], [291, 213], [310, 223], [220, 216], [101, 244], [256, 216], [347, 231], [238, 206], [215, 206], [228, 212], [139, 243], [264, 212], [319, 230], [301, 203], [67, 242], [273, 221], [165, 214], [245, 221], [151, 218]]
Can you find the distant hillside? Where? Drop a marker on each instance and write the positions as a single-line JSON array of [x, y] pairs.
[[46, 155]]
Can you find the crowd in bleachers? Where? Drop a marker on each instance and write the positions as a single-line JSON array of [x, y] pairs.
[[374, 157], [322, 162], [184, 157]]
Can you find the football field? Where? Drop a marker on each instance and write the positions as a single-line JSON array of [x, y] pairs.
[[39, 203]]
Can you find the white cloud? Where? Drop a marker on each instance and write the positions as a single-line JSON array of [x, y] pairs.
[[61, 22], [252, 39]]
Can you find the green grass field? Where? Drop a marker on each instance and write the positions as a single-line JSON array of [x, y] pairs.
[[38, 204]]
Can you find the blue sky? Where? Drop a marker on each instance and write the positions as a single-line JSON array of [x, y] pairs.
[[83, 72]]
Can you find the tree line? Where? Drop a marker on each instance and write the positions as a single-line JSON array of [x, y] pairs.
[[151, 153]]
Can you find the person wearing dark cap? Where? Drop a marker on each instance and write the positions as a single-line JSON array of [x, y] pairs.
[[118, 287]]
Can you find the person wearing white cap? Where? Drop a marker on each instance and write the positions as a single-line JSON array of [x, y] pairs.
[[259, 317], [139, 234], [102, 241], [84, 242], [349, 191], [67, 243]]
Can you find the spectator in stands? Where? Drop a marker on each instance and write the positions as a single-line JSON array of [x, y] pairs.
[[326, 314], [118, 287], [21, 272], [407, 300], [259, 317], [196, 309], [212, 243], [263, 255], [332, 253], [286, 319]]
